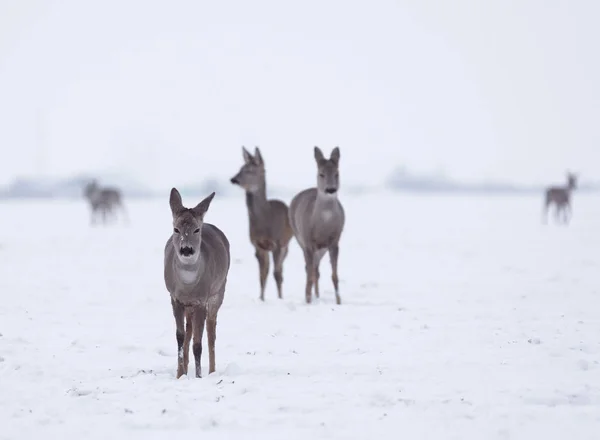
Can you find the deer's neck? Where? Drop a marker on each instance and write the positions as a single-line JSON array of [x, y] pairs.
[[325, 203], [258, 205]]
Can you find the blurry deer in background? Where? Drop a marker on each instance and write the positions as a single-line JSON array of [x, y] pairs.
[[196, 265], [269, 223], [561, 197], [317, 218], [103, 200]]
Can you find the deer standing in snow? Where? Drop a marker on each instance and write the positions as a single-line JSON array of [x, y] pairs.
[[103, 200], [196, 265], [269, 223], [561, 197], [317, 218]]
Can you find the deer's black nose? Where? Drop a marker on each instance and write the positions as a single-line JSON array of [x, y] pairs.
[[186, 251], [330, 190], [235, 181]]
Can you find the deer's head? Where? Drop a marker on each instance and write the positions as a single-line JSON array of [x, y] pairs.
[[252, 174], [572, 180], [90, 188], [187, 227], [328, 176]]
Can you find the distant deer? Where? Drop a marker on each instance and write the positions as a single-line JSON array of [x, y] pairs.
[[317, 218], [270, 229], [561, 197], [103, 200], [196, 267]]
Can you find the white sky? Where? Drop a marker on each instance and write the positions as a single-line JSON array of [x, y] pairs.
[[169, 91]]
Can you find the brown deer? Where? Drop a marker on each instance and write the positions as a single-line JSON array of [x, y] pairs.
[[270, 229], [103, 200], [317, 218], [196, 265], [561, 197]]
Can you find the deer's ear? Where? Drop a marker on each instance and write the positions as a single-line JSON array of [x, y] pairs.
[[202, 207], [319, 155], [175, 201], [335, 155], [247, 156], [258, 156]]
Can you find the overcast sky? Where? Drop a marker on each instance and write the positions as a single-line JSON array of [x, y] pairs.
[[169, 91]]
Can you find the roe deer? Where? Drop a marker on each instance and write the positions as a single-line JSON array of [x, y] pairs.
[[196, 267], [561, 197], [270, 229], [317, 218], [102, 200]]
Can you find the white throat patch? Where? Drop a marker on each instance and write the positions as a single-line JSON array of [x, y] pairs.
[[188, 276], [327, 215]]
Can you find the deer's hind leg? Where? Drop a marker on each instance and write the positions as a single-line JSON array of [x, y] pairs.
[[198, 318], [334, 251], [211, 328], [263, 265], [279, 254], [211, 332]]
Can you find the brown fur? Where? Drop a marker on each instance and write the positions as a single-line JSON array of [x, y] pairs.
[[560, 196], [317, 218], [270, 229], [196, 265]]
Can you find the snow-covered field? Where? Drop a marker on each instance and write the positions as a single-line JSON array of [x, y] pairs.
[[462, 318]]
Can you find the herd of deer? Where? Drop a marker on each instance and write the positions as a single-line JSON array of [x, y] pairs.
[[197, 255]]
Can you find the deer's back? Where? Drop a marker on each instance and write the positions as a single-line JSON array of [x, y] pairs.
[[216, 260], [281, 230], [111, 195], [105, 197], [557, 195]]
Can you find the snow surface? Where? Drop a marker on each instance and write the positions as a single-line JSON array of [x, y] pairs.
[[461, 318]]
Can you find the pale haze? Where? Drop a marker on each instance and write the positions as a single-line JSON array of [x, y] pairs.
[[168, 92]]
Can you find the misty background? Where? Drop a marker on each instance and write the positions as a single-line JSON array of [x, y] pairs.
[[423, 95]]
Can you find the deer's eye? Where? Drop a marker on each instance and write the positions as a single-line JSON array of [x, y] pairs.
[[337, 175], [176, 230], [322, 174], [197, 231]]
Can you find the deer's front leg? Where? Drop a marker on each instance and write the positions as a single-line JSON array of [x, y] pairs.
[[309, 259], [333, 257], [179, 314], [198, 317], [263, 267]]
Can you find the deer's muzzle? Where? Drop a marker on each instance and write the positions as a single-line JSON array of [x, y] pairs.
[[186, 251]]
